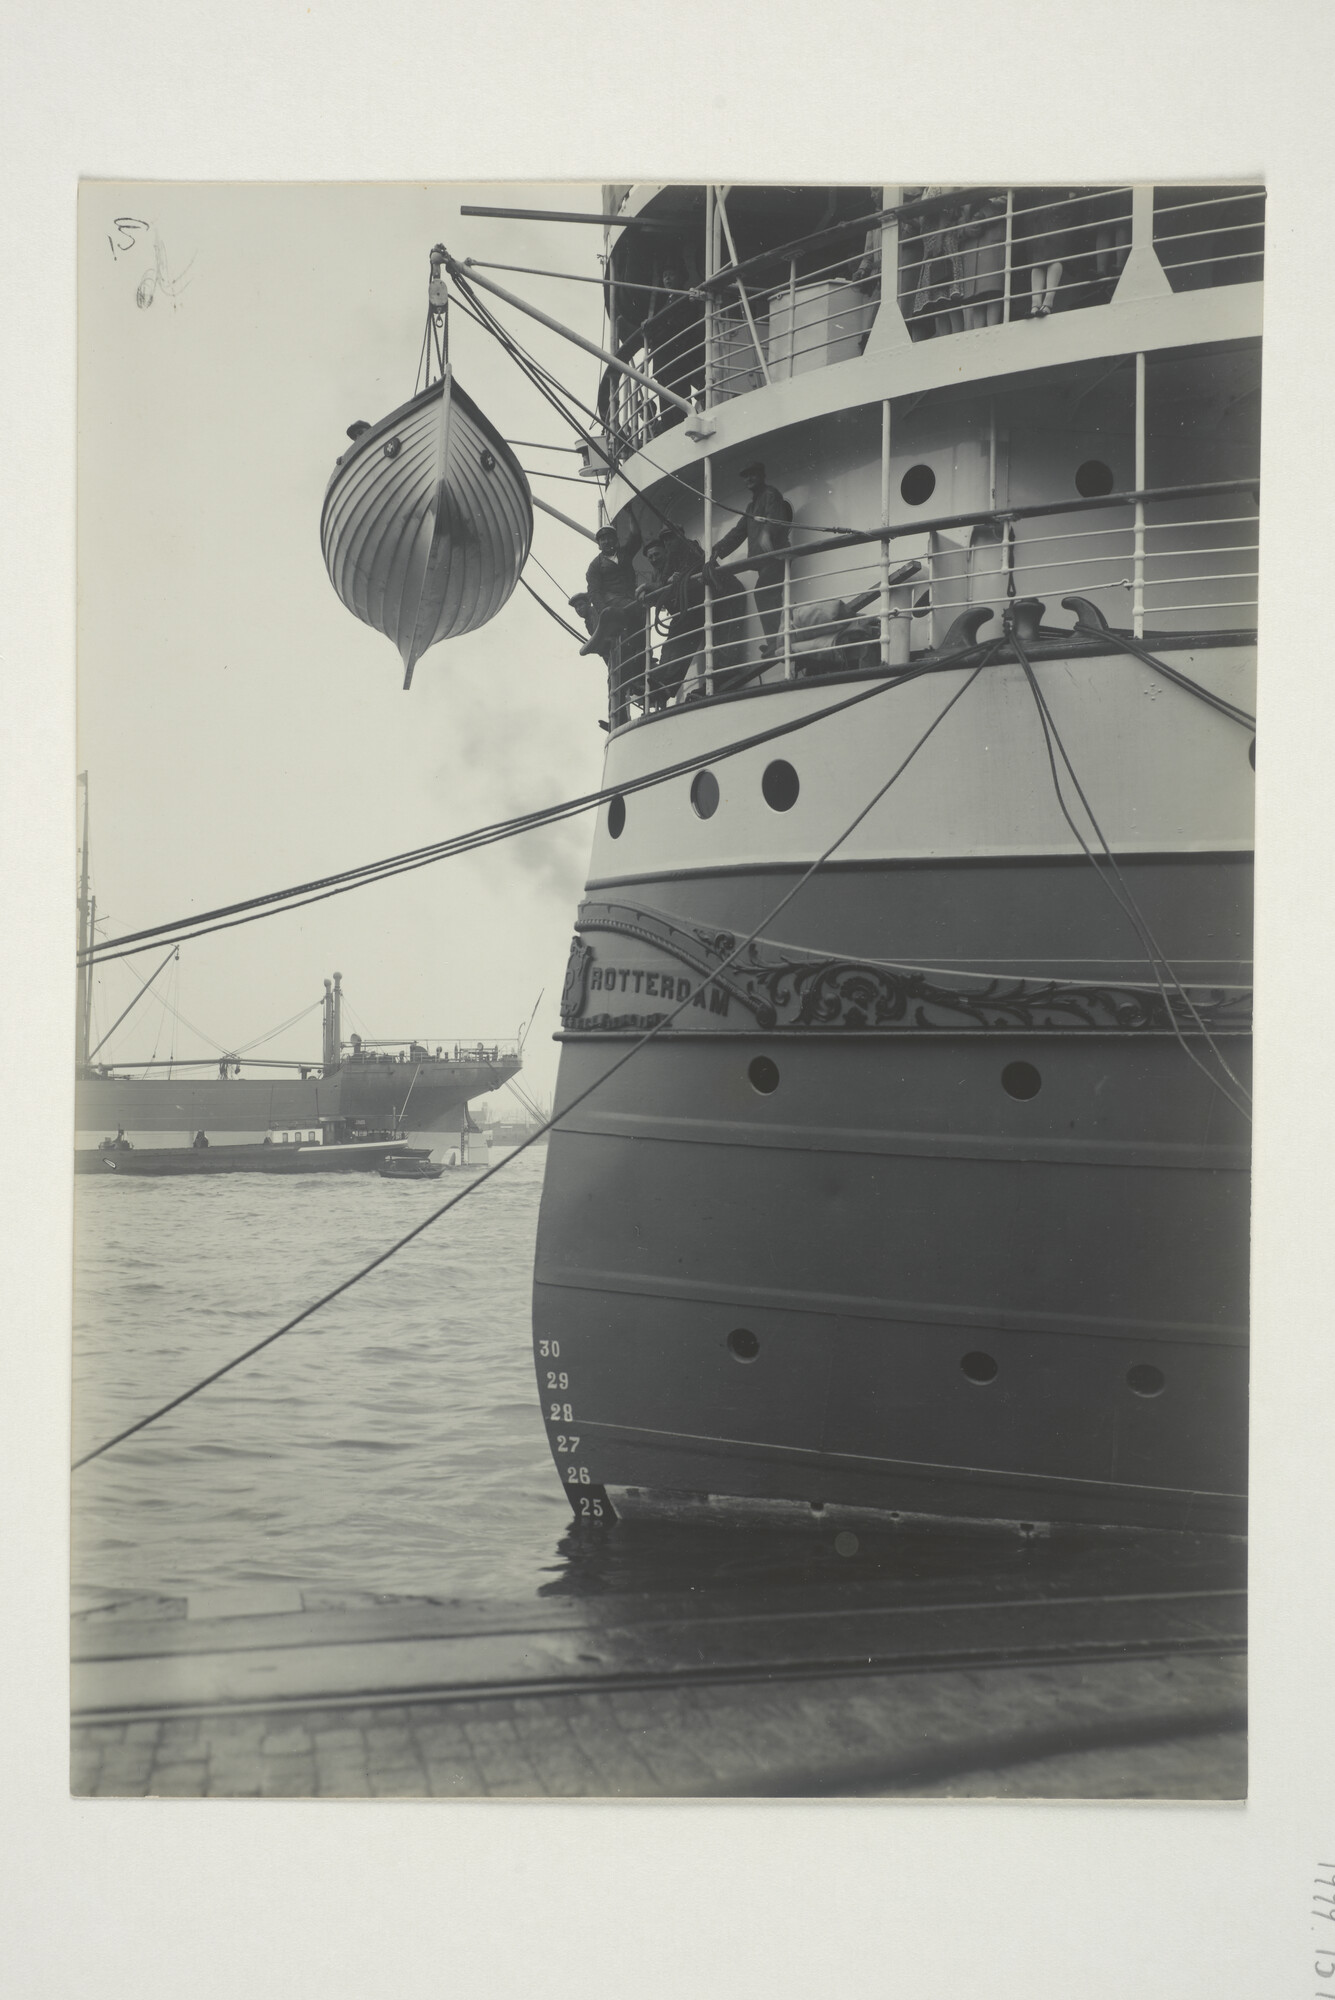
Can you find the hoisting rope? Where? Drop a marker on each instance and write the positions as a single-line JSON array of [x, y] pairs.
[[550, 386], [1122, 894], [539, 599], [278, 901], [490, 1173]]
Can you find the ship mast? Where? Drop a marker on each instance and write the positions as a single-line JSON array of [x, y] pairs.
[[333, 1023], [87, 912]]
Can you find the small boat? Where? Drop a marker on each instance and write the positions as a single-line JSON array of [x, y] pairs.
[[336, 1157], [400, 1167], [427, 522]]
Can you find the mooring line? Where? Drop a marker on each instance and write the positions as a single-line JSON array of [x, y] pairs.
[[275, 903], [356, 1277]]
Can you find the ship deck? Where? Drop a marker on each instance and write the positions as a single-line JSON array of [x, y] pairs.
[[1112, 1670]]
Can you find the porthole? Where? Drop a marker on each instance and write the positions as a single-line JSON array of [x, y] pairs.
[[979, 1367], [704, 794], [616, 816], [764, 1075], [845, 1543], [1021, 1079], [780, 786], [392, 448], [743, 1344], [1145, 1379], [1093, 479], [488, 461], [917, 485]]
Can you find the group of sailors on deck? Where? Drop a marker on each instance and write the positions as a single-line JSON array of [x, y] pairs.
[[615, 605]]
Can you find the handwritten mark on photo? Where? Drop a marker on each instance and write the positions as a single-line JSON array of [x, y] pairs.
[[128, 235]]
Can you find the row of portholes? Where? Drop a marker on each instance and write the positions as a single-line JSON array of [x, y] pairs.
[[779, 787], [1092, 480], [1143, 1379], [1018, 1079]]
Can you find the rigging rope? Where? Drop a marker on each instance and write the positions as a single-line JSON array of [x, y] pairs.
[[548, 609], [300, 895], [260, 1040], [1125, 900], [489, 1174], [551, 387]]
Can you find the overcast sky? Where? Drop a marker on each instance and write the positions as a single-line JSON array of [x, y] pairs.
[[241, 730]]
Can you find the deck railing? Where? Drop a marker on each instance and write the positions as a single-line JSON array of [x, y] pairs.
[[1163, 561], [431, 1049], [963, 259]]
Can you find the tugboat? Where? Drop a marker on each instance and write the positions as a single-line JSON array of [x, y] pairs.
[[929, 1197]]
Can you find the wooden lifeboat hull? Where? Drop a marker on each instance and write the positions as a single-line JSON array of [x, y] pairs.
[[427, 523]]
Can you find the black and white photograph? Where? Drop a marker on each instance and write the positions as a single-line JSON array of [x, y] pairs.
[[666, 841], [662, 1193]]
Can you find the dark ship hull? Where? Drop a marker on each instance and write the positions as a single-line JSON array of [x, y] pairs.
[[432, 1096], [889, 1283]]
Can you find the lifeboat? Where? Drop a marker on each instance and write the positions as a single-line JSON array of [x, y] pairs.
[[427, 522]]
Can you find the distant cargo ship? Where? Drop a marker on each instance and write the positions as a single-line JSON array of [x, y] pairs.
[[367, 1087]]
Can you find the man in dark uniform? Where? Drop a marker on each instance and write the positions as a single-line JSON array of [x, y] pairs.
[[613, 613], [764, 528], [678, 589]]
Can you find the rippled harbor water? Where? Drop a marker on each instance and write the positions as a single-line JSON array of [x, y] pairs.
[[392, 1443]]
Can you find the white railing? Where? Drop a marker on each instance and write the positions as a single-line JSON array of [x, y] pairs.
[[1156, 565], [963, 259]]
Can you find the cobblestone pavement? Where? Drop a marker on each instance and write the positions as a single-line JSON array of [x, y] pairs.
[[1039, 1732]]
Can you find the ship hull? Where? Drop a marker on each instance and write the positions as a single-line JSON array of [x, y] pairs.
[[889, 1287], [432, 1096], [924, 1203]]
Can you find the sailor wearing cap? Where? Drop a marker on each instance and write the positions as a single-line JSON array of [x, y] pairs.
[[764, 528]]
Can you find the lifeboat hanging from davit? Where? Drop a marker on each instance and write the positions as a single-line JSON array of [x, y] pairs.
[[427, 520]]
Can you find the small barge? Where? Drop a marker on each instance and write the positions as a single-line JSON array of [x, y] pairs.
[[311, 1155]]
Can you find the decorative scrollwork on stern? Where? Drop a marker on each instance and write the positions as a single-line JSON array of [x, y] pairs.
[[779, 988]]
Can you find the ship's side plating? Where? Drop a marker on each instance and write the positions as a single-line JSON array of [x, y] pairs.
[[934, 1198]]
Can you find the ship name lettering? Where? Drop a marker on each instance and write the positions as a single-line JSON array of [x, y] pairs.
[[718, 999], [654, 985]]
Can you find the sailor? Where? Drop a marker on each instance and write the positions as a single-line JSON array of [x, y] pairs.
[[612, 613], [764, 528], [678, 589], [200, 1142], [355, 431]]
